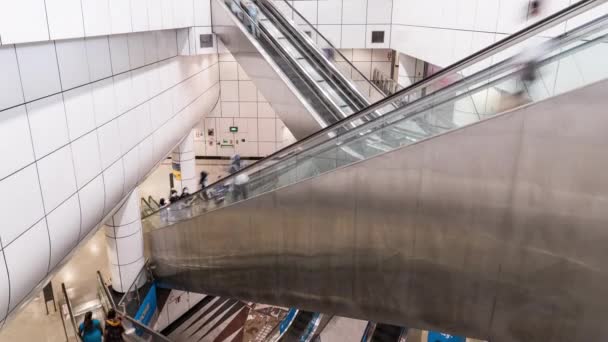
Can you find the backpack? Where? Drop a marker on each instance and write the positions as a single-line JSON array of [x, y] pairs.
[[113, 332]]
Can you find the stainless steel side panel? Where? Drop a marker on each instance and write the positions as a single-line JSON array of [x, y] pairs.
[[290, 106], [498, 231]]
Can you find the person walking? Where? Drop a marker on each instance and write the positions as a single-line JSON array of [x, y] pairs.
[[114, 328], [90, 330]]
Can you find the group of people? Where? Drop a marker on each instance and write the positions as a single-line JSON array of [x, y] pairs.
[[91, 330]]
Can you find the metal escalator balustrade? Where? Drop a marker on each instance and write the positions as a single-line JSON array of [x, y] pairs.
[[328, 94], [424, 110], [348, 77]]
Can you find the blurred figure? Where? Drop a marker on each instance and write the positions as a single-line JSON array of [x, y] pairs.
[[90, 330], [185, 193], [203, 183], [114, 328], [532, 55], [252, 10], [164, 211], [173, 197], [235, 164], [529, 59], [240, 187], [534, 8], [239, 183]]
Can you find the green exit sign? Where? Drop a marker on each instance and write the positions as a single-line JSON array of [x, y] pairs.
[[234, 129]]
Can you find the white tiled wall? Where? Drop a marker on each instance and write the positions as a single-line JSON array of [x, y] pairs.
[[82, 121], [347, 23], [260, 131], [40, 20], [444, 31]]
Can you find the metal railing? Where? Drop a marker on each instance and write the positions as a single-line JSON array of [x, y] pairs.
[[135, 330], [416, 90]]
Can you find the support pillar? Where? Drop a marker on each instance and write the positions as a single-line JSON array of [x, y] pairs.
[[125, 244], [183, 160]]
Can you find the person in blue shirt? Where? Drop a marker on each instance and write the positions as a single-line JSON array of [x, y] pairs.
[[90, 330]]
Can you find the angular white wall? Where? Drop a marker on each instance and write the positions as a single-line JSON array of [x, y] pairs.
[[81, 123], [39, 20]]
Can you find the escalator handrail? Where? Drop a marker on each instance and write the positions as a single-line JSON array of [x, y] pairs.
[[319, 54], [155, 334], [325, 99], [509, 41]]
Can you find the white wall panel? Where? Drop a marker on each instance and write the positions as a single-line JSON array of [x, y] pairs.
[[379, 11], [73, 65], [127, 126], [27, 259], [15, 141], [155, 15], [123, 89], [486, 17], [141, 90], [202, 13], [308, 9], [109, 143], [4, 287], [266, 130], [98, 52], [230, 90], [87, 160], [113, 178], [24, 199], [131, 166], [136, 50], [23, 21], [104, 101], [38, 69], [332, 33], [229, 71], [330, 12], [167, 44], [11, 93], [91, 204], [354, 11], [183, 11], [65, 18], [57, 179], [120, 16], [150, 47], [167, 12], [97, 18], [248, 109], [353, 36], [119, 53], [64, 229], [48, 125], [247, 91], [139, 13]]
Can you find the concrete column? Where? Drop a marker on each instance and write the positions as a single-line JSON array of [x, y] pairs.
[[183, 160], [125, 244]]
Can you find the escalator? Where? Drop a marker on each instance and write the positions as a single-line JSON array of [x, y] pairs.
[[387, 333], [298, 330], [292, 64], [490, 225]]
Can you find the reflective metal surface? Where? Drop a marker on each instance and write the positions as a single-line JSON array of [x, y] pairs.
[[285, 99], [496, 231]]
